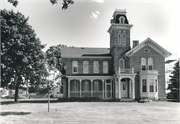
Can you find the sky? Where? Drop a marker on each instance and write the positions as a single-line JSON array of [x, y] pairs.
[[85, 23]]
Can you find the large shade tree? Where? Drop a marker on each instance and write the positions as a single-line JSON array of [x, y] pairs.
[[53, 56], [21, 50], [65, 3]]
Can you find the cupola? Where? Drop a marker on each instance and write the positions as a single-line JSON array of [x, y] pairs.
[[119, 17]]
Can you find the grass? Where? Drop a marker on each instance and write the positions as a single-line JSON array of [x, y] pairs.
[[90, 113]]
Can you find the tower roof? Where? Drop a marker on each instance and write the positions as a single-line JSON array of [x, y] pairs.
[[119, 11]]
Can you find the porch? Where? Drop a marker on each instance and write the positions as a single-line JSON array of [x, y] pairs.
[[90, 86], [125, 84]]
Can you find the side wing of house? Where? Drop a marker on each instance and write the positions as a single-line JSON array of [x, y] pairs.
[[88, 73], [148, 61]]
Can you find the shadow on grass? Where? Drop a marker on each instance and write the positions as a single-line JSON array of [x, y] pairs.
[[28, 101], [14, 113]]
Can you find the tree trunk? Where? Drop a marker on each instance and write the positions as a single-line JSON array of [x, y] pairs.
[[48, 101], [16, 90]]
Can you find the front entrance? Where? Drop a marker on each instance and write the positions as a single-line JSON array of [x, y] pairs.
[[108, 89], [124, 89]]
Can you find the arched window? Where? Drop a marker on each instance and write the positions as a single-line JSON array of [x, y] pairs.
[[121, 38], [74, 85], [97, 85], [86, 85], [75, 66], [121, 63], [96, 67], [150, 64], [121, 20], [85, 67], [143, 63]]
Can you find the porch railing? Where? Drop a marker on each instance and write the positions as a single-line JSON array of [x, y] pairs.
[[86, 94], [126, 70]]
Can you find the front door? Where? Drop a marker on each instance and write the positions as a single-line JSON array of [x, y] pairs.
[[124, 90], [108, 89]]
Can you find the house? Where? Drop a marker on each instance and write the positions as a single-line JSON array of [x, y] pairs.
[[119, 72]]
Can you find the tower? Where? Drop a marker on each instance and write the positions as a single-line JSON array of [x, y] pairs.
[[119, 38]]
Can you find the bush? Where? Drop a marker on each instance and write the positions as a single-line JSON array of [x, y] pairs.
[[76, 99]]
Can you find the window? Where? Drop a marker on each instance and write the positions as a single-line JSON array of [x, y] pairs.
[[86, 85], [96, 67], [143, 64], [121, 20], [121, 38], [144, 85], [122, 64], [85, 67], [97, 85], [75, 66], [105, 67], [124, 86], [74, 85], [151, 85], [150, 64]]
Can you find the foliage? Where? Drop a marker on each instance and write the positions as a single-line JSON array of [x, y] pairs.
[[53, 56], [77, 99], [21, 51], [64, 4], [174, 81]]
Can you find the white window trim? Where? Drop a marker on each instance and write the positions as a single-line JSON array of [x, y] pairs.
[[73, 67], [94, 70], [143, 64], [121, 17], [105, 67], [122, 69], [152, 85], [146, 86], [119, 39], [84, 70], [150, 63]]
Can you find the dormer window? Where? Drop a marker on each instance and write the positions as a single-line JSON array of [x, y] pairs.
[[121, 20]]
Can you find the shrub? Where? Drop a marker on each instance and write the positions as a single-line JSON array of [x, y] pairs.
[[76, 99]]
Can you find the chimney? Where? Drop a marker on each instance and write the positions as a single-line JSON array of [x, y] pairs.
[[135, 43]]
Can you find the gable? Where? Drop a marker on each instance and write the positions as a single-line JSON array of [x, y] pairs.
[[150, 43]]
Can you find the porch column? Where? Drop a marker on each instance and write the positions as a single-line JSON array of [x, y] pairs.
[[130, 95], [91, 88], [119, 88], [103, 87], [116, 88], [69, 88], [133, 90], [80, 88]]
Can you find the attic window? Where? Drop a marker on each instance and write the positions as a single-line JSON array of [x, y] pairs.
[[146, 50], [121, 20]]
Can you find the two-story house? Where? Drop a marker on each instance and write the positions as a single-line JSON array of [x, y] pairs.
[[118, 72]]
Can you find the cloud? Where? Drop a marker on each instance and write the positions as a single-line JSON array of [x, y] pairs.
[[94, 15], [98, 1]]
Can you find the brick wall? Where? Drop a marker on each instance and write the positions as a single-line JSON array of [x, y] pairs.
[[158, 64], [68, 63], [117, 51]]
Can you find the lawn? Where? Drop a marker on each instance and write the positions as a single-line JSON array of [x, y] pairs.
[[91, 113]]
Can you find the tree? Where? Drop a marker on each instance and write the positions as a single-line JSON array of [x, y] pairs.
[[21, 50], [53, 56], [64, 4], [174, 83]]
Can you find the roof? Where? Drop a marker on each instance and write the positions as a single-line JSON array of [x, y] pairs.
[[78, 52], [152, 44], [119, 11]]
